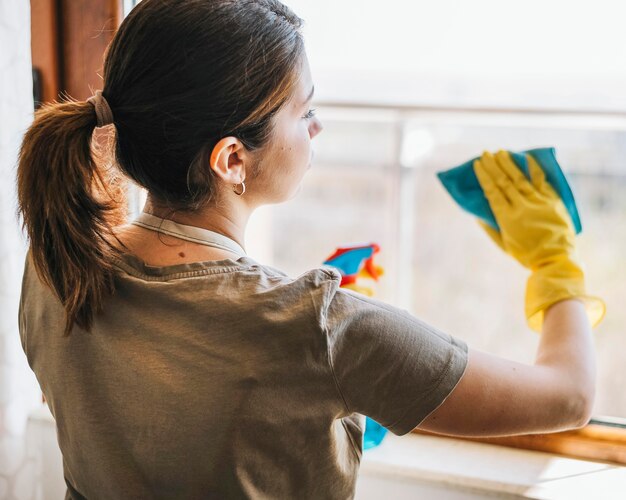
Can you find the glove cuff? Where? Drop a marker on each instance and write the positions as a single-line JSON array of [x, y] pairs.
[[561, 279]]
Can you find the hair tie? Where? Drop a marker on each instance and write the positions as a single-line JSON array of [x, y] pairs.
[[103, 110]]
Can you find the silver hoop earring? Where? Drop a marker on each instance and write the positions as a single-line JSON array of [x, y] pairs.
[[243, 188]]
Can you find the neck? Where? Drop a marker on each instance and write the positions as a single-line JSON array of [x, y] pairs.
[[229, 219]]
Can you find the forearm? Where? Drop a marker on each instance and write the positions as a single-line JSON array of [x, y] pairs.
[[566, 348]]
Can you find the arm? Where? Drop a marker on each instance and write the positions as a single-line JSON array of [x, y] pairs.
[[498, 397]]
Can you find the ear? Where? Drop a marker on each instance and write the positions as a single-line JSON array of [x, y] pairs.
[[227, 160]]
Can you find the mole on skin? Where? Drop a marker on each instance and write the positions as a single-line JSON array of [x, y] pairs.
[[181, 254]]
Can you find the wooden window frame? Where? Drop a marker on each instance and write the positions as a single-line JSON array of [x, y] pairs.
[[69, 38]]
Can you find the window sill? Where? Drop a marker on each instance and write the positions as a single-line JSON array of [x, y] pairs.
[[473, 470], [592, 442]]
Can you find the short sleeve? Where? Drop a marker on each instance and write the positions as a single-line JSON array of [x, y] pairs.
[[388, 364]]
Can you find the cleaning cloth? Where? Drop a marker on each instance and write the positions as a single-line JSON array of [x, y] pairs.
[[462, 184]]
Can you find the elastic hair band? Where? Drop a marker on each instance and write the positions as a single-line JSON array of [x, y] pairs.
[[103, 110]]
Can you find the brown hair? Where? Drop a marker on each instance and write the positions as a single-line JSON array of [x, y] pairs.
[[179, 75]]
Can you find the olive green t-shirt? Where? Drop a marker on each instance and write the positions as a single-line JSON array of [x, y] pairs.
[[229, 379]]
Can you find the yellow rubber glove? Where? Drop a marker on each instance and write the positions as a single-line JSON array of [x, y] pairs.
[[536, 229]]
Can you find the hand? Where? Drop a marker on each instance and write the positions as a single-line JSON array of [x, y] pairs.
[[536, 229]]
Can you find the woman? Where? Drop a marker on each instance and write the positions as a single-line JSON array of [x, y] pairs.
[[178, 367]]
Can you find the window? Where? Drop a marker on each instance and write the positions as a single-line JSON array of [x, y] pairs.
[[375, 179]]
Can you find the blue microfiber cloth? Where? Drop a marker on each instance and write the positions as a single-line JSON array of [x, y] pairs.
[[462, 184]]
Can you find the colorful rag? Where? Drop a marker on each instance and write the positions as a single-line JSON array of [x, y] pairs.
[[462, 184]]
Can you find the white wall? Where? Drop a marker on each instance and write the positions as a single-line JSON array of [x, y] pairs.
[[19, 392]]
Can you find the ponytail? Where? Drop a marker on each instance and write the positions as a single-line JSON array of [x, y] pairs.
[[68, 208]]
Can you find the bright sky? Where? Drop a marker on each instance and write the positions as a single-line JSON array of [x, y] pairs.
[[577, 46]]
